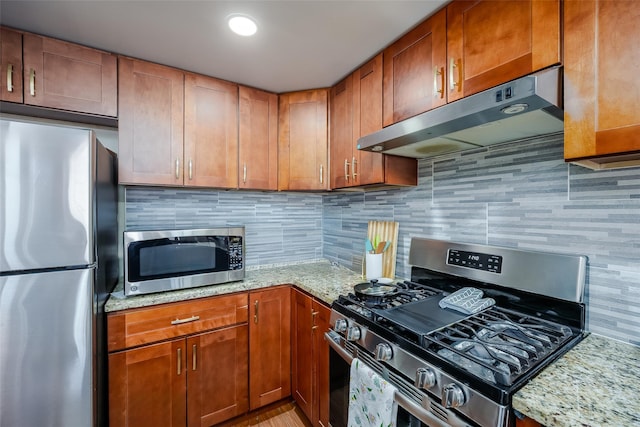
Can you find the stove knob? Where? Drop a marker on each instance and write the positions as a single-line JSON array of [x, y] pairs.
[[452, 396], [353, 333], [383, 352], [425, 378], [340, 325]]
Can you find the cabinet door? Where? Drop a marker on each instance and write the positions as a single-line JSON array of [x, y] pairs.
[[490, 42], [303, 364], [602, 91], [217, 388], [341, 138], [302, 141], [11, 63], [414, 68], [210, 132], [67, 76], [321, 325], [258, 141], [270, 346], [150, 128], [367, 118], [147, 386]]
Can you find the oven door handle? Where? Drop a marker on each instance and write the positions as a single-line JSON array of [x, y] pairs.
[[418, 411], [333, 338]]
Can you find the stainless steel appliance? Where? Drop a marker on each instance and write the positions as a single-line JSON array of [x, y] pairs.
[[164, 260], [451, 367], [523, 108], [58, 263]]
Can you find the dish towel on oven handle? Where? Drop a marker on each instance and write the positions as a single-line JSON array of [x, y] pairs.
[[371, 398], [467, 301]]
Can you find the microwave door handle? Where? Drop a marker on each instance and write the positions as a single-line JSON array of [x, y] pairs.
[[331, 338]]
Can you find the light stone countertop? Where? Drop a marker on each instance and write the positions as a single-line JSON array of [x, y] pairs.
[[597, 383], [320, 278]]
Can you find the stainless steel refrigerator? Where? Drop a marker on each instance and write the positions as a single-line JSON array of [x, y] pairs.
[[58, 263]]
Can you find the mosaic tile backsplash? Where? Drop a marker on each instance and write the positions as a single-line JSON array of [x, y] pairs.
[[518, 195]]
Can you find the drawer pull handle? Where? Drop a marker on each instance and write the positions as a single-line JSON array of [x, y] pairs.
[[255, 314], [353, 168], [195, 360], [187, 320], [32, 82], [10, 78]]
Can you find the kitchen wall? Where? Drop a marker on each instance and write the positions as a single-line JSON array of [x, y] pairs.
[[521, 196]]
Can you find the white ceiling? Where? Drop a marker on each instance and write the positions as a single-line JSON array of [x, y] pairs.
[[300, 44]]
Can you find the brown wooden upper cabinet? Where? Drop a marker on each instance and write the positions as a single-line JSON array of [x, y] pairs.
[[302, 141], [50, 73], [601, 86], [467, 47], [150, 127], [176, 128], [414, 70], [356, 110], [258, 141], [11, 63], [210, 132], [490, 42]]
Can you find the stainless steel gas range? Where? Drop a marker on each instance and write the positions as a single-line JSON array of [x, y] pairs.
[[510, 313]]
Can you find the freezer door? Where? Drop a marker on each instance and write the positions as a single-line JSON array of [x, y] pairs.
[[46, 196], [46, 349]]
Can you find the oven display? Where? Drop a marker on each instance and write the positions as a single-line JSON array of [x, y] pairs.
[[476, 260]]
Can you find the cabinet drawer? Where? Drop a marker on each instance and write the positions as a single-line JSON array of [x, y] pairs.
[[131, 328]]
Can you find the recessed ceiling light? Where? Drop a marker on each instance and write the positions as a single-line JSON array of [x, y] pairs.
[[242, 25]]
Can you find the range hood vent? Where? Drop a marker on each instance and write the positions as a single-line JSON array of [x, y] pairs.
[[527, 107]]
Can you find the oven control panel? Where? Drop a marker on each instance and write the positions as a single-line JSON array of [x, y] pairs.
[[475, 260]]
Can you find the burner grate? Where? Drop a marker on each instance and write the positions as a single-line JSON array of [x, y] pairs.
[[497, 345]]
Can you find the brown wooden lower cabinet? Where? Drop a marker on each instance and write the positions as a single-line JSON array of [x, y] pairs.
[[182, 364], [269, 346], [310, 360], [147, 386], [527, 422], [217, 388], [196, 381]]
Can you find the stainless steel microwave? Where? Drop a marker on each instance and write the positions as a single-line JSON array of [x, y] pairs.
[[164, 260]]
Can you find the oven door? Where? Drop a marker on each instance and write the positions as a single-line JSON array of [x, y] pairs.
[[410, 413]]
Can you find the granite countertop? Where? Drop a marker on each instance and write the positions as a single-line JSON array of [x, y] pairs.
[[597, 383], [320, 278]]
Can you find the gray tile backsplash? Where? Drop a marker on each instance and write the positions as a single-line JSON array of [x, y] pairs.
[[517, 195], [278, 226]]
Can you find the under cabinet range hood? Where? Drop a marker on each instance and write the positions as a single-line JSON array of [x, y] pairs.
[[527, 107]]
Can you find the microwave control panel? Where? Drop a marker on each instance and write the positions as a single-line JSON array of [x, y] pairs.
[[235, 253]]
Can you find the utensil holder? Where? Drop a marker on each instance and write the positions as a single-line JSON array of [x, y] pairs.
[[373, 268]]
